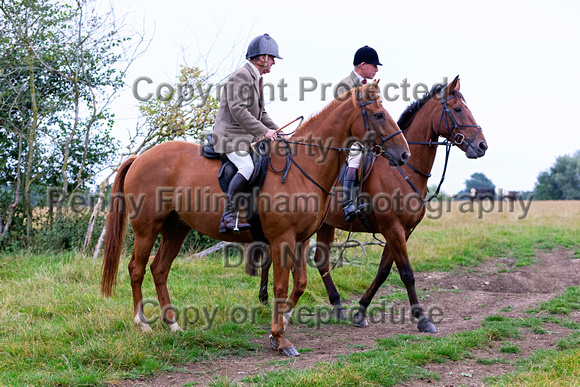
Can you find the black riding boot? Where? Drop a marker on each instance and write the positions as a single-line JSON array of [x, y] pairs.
[[231, 218], [348, 200]]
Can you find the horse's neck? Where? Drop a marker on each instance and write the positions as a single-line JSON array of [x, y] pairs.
[[328, 130], [422, 156]]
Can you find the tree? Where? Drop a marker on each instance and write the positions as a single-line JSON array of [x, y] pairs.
[[478, 180], [164, 119], [186, 116], [29, 95], [562, 181], [61, 66]]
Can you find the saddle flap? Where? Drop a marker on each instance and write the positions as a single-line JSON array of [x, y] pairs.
[[260, 159], [364, 170], [208, 150]]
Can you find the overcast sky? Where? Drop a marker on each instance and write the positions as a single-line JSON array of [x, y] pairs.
[[518, 62]]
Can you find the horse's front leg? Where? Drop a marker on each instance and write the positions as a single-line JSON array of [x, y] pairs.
[[395, 251], [258, 257], [408, 278], [283, 254]]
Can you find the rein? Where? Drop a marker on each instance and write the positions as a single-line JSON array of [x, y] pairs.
[[289, 161], [377, 149]]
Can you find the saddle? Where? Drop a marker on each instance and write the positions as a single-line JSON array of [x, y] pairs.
[[363, 171], [228, 170]]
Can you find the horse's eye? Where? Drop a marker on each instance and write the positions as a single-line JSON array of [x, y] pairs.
[[379, 116], [457, 109]]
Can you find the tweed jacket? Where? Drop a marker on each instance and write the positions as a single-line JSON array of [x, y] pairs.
[[347, 83], [241, 117]]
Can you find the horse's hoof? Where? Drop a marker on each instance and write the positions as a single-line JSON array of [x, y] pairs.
[[145, 328], [289, 352], [339, 313], [426, 326], [142, 325], [360, 320], [264, 300], [175, 328], [274, 343]]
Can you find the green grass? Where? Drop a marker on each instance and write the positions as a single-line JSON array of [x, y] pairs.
[[461, 239], [564, 304], [492, 360], [543, 368], [397, 359], [400, 359], [508, 347], [56, 329]]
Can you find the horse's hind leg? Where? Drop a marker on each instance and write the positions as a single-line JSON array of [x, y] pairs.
[[173, 234], [324, 239], [263, 293], [141, 249]]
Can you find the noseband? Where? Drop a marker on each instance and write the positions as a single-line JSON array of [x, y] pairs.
[[377, 149], [458, 137]]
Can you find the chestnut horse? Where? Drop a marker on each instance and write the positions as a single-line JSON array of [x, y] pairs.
[[159, 190], [441, 112]]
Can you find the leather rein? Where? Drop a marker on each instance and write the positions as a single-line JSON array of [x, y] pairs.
[[376, 149]]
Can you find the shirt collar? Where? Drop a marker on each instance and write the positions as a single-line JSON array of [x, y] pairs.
[[255, 69], [360, 79]]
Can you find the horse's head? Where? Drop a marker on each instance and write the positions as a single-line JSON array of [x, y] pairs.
[[457, 124], [377, 128]]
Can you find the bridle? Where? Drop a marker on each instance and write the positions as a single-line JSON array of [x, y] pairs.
[[377, 149], [458, 138]]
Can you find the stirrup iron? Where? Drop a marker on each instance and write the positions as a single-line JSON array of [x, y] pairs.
[[236, 228]]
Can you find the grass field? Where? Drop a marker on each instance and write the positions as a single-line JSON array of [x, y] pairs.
[[56, 329]]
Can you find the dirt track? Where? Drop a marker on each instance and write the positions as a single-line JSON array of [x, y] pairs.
[[465, 299]]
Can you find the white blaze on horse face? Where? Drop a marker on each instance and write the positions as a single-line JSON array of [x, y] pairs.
[[286, 317], [144, 326]]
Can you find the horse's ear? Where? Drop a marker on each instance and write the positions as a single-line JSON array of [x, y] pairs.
[[376, 82], [454, 85]]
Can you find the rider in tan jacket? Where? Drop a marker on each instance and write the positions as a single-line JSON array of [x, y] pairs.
[[242, 119]]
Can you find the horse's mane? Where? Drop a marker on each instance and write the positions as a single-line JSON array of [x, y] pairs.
[[411, 110], [322, 112]]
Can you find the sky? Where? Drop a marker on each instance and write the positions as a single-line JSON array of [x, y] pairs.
[[518, 62]]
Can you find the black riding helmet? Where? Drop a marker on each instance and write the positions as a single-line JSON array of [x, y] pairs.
[[366, 54]]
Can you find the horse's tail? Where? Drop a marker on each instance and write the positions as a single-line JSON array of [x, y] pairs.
[[116, 226]]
